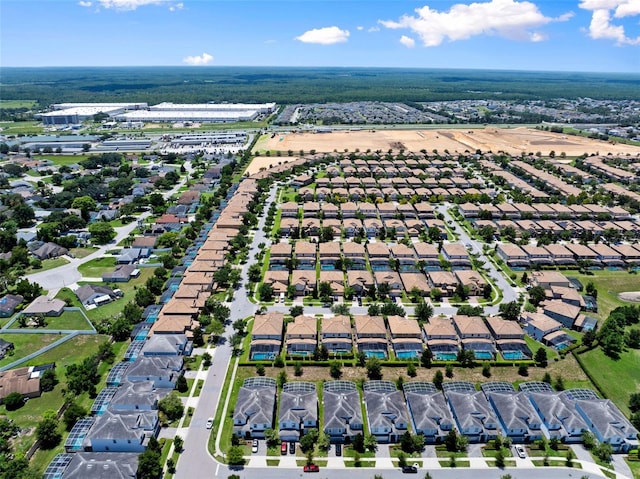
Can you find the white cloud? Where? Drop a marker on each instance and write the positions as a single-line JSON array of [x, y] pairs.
[[203, 59], [601, 27], [510, 19], [177, 6], [129, 4], [84, 4], [407, 41], [359, 28], [373, 29], [324, 36]]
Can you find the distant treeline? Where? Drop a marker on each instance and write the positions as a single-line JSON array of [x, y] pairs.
[[303, 85]]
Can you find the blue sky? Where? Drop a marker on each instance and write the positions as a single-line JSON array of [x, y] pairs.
[[553, 35]]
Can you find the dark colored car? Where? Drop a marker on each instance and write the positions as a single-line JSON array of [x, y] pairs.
[[311, 468], [292, 447], [338, 449], [410, 469]]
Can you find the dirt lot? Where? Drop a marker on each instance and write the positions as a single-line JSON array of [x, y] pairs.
[[510, 140], [266, 162]]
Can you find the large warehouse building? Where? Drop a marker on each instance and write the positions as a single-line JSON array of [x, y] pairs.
[[72, 113], [199, 112]]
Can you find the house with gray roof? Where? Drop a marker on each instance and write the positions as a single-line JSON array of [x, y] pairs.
[[121, 274], [9, 303], [387, 415], [608, 424], [50, 250], [298, 410], [167, 345], [161, 371], [518, 420], [428, 410], [473, 415], [137, 396], [122, 432], [255, 408], [342, 411], [43, 305], [559, 416], [100, 466], [93, 295]]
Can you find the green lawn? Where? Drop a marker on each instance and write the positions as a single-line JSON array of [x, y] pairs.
[[82, 252], [17, 104], [20, 127], [26, 344], [635, 468], [71, 351], [62, 160], [617, 378], [48, 264], [97, 267], [69, 320]]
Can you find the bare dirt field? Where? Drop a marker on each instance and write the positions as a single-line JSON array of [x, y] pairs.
[[633, 296], [266, 162], [510, 140]]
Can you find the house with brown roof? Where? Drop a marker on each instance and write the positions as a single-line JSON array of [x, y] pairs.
[[310, 226], [289, 225], [43, 305], [606, 255], [509, 338], [335, 225], [310, 209], [547, 279], [303, 281], [349, 210], [24, 381], [537, 255], [328, 254], [359, 280], [278, 280], [474, 335], [513, 255], [305, 252], [329, 210], [302, 336], [445, 281], [471, 280], [289, 209], [566, 295], [371, 336], [368, 210], [415, 281], [414, 227], [406, 337], [392, 279], [630, 254], [379, 255], [456, 255], [562, 312], [405, 256], [538, 325], [145, 242], [584, 253], [427, 255], [337, 335], [372, 227], [266, 336], [335, 278], [441, 338], [352, 226], [354, 255]]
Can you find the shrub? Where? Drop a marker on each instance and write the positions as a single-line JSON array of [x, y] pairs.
[[13, 401]]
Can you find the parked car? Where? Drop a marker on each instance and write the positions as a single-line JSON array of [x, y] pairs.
[[254, 446], [410, 469], [209, 423], [338, 449], [292, 447], [283, 448], [520, 451], [311, 468]]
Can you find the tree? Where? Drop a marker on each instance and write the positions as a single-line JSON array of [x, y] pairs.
[[272, 438], [182, 385], [265, 292], [451, 440], [370, 442], [48, 380], [634, 402], [603, 451], [235, 456], [426, 358], [411, 370], [85, 204], [423, 312], [510, 311], [486, 370], [358, 443], [297, 369], [308, 440], [71, 415], [335, 369], [523, 370], [13, 401], [171, 406], [47, 432], [541, 357], [296, 311], [438, 379], [500, 458], [149, 465], [374, 368], [448, 371], [537, 295], [406, 444], [101, 232]]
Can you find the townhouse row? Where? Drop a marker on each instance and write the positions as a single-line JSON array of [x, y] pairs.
[[376, 336], [534, 411]]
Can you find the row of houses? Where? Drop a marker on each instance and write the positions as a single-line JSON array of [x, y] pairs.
[[597, 255], [303, 282], [575, 229], [523, 211], [363, 210], [526, 415], [376, 336]]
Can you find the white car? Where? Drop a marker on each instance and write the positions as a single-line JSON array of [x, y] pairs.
[[209, 423], [254, 446], [521, 452]]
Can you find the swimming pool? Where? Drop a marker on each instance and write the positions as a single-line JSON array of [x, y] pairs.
[[513, 355], [483, 355], [376, 354], [407, 354], [263, 356], [446, 356]]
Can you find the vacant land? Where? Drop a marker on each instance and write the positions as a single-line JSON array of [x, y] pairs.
[[513, 141], [26, 344]]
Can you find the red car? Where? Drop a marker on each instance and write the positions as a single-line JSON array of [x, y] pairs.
[[311, 468]]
